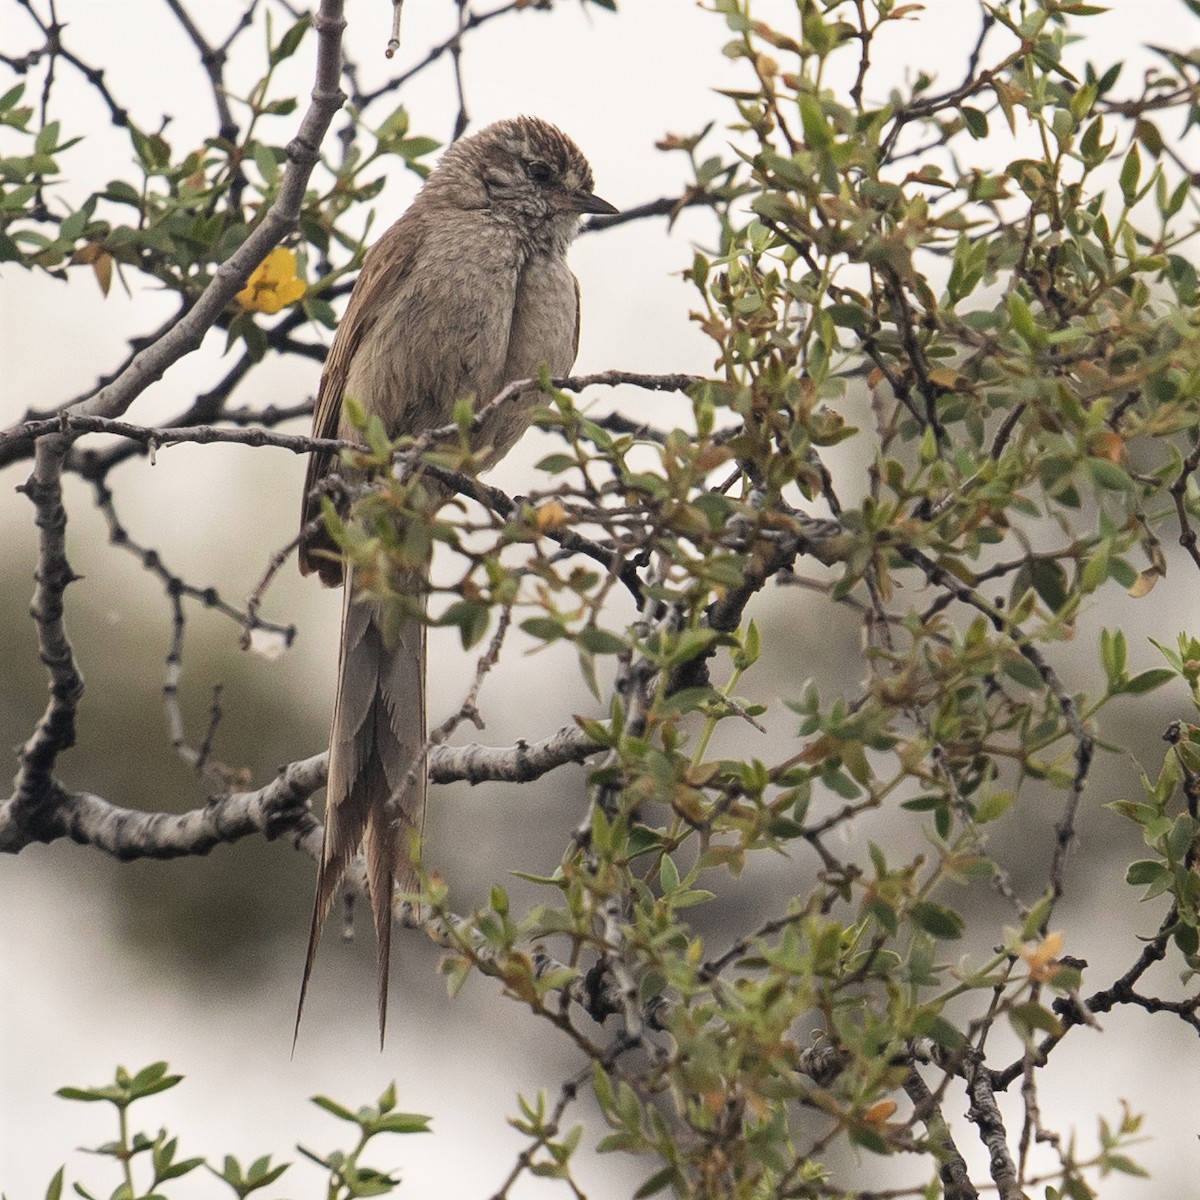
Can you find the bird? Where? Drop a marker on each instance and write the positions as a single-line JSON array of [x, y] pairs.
[[467, 292]]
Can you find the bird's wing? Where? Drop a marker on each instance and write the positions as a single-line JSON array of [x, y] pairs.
[[387, 263]]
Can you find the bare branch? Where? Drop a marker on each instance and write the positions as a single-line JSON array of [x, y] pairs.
[[279, 807], [985, 1113], [55, 730], [952, 1169]]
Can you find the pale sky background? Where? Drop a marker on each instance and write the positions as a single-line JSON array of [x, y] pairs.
[[84, 983]]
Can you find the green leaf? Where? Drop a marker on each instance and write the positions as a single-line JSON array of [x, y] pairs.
[[944, 1034], [668, 874], [280, 108], [1018, 667], [656, 1183], [46, 141], [1030, 1016], [10, 98], [936, 919], [747, 654], [54, 1191], [1109, 475], [684, 701], [338, 1110], [417, 147], [545, 629], [1049, 580], [976, 122], [600, 641], [1131, 171], [472, 617], [816, 130], [88, 1095], [266, 162], [1147, 681], [1148, 872], [1021, 316], [1124, 1165], [399, 1122], [993, 806], [1187, 938], [555, 464], [121, 193], [152, 1079], [290, 41]]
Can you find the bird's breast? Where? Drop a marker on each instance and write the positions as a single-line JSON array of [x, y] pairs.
[[475, 311]]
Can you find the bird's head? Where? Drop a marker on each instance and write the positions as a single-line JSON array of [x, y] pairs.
[[524, 170]]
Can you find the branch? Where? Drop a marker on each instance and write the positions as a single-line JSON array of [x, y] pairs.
[[985, 1113], [55, 731], [1085, 743], [35, 786], [127, 834], [213, 60], [303, 154], [279, 807], [956, 1179], [769, 552], [80, 419]]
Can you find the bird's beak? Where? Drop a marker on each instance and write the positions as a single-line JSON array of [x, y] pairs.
[[588, 202]]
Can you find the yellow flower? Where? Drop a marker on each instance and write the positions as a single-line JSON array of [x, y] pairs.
[[1042, 957], [273, 285], [550, 515]]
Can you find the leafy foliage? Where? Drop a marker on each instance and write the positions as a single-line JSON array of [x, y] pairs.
[[1025, 339], [186, 211], [140, 1155]]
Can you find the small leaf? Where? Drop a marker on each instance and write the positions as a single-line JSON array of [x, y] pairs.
[[976, 122], [656, 1183], [543, 628], [332, 1106], [942, 922], [1131, 171], [1147, 681], [600, 641], [399, 1122], [1147, 872], [668, 874], [54, 1191], [290, 41], [992, 806], [554, 464], [816, 130], [1030, 1016], [945, 1034], [1123, 1164]]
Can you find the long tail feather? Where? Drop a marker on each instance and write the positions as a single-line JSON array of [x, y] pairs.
[[376, 789]]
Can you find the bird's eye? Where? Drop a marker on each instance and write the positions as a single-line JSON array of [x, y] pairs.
[[539, 172]]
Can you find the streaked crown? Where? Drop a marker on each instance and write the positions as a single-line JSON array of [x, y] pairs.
[[524, 170]]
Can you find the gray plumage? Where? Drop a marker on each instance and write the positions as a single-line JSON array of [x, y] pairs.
[[467, 292]]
